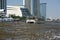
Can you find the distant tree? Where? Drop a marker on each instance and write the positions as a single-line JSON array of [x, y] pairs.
[[13, 16], [42, 18], [23, 18], [0, 16], [48, 18], [57, 20], [18, 17]]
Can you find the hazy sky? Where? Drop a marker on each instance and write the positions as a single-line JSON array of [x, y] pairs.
[[53, 7]]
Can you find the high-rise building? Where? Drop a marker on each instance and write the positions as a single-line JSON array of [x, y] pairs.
[[26, 3], [33, 6], [43, 10], [17, 11], [3, 6]]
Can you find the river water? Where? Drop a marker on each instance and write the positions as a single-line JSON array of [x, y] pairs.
[[21, 32]]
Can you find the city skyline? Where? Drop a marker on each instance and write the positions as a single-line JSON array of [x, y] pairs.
[[53, 7]]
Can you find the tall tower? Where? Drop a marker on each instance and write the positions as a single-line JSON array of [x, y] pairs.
[[33, 6], [27, 4], [3, 6], [23, 2], [43, 10]]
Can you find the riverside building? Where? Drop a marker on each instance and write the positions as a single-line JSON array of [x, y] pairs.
[[17, 11], [2, 8], [43, 10], [33, 6]]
